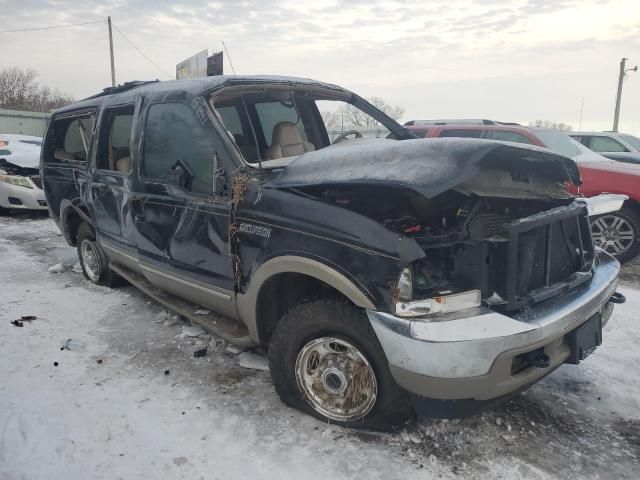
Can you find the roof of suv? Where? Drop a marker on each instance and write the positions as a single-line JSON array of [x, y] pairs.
[[197, 86]]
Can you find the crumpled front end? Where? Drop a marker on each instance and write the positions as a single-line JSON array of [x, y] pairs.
[[454, 360]]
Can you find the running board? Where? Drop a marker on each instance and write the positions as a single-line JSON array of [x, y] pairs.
[[231, 330]]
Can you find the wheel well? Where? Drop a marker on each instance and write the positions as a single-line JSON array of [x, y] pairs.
[[283, 291], [71, 223], [632, 205]]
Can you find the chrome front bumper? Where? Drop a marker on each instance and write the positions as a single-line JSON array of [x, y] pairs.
[[28, 198], [469, 354]]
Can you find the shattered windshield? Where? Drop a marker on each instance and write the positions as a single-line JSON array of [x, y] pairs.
[[559, 142], [270, 124]]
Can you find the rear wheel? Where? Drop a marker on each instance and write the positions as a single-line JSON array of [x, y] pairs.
[[325, 360], [94, 263], [618, 233]]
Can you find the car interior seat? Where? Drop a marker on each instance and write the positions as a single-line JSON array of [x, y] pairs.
[[286, 141]]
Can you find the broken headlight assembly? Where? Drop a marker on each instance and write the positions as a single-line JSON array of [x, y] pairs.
[[15, 180], [446, 302], [438, 302]]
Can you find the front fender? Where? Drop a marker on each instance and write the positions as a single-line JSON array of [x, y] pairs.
[[246, 302]]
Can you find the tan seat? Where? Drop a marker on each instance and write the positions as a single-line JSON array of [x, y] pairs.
[[286, 141], [123, 164]]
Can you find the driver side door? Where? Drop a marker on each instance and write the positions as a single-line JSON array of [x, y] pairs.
[[182, 223]]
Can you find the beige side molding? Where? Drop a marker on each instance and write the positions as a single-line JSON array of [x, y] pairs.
[[246, 303]]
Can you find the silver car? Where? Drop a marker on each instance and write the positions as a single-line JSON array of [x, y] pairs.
[[621, 147], [20, 185]]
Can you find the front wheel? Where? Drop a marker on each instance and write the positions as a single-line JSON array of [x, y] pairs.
[[94, 263], [325, 360], [618, 233]]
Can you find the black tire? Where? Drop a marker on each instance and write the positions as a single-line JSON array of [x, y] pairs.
[[632, 218], [331, 317], [103, 275]]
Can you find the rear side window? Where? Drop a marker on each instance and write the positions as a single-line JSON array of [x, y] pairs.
[[468, 133], [507, 136], [69, 139], [115, 139], [606, 144], [172, 133]]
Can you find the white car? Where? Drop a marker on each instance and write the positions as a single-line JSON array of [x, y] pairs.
[[20, 185]]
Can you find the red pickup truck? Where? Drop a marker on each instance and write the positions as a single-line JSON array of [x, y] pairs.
[[617, 232]]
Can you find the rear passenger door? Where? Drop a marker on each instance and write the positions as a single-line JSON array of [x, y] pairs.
[[111, 178], [182, 218]]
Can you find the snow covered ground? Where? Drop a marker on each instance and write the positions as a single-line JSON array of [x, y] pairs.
[[129, 400]]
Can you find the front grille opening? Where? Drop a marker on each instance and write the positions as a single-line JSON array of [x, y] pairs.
[[544, 254]]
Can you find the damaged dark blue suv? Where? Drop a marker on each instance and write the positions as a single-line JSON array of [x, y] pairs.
[[382, 275]]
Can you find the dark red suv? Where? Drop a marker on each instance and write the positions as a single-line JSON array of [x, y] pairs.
[[616, 232]]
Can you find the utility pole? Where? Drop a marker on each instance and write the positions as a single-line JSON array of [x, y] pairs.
[[616, 115], [113, 68]]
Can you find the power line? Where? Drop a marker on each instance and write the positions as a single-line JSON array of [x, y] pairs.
[[140, 52], [51, 27]]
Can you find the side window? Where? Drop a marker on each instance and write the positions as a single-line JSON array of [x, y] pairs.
[[606, 144], [115, 139], [466, 132], [230, 119], [239, 130], [69, 138], [172, 133], [507, 136], [272, 113]]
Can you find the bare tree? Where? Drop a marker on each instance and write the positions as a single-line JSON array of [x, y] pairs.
[[330, 119], [549, 124], [394, 112], [353, 116], [16, 86], [20, 91]]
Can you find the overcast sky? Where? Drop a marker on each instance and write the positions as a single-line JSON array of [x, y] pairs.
[[507, 60]]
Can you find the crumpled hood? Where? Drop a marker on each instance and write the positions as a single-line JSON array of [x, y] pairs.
[[428, 166], [14, 150]]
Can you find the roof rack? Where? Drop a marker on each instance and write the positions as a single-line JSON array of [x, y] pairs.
[[123, 87], [459, 121]]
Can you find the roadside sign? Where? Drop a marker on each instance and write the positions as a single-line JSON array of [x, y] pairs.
[[193, 67]]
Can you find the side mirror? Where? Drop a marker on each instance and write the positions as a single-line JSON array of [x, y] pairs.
[[219, 179], [180, 175]]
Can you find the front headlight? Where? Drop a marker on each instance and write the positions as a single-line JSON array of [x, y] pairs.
[[405, 286], [446, 302], [16, 180]]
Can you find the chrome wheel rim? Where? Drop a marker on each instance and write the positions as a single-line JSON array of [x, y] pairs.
[[336, 379], [613, 234], [90, 260]]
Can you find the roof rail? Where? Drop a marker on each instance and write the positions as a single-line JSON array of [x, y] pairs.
[[452, 121], [122, 88], [459, 121]]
